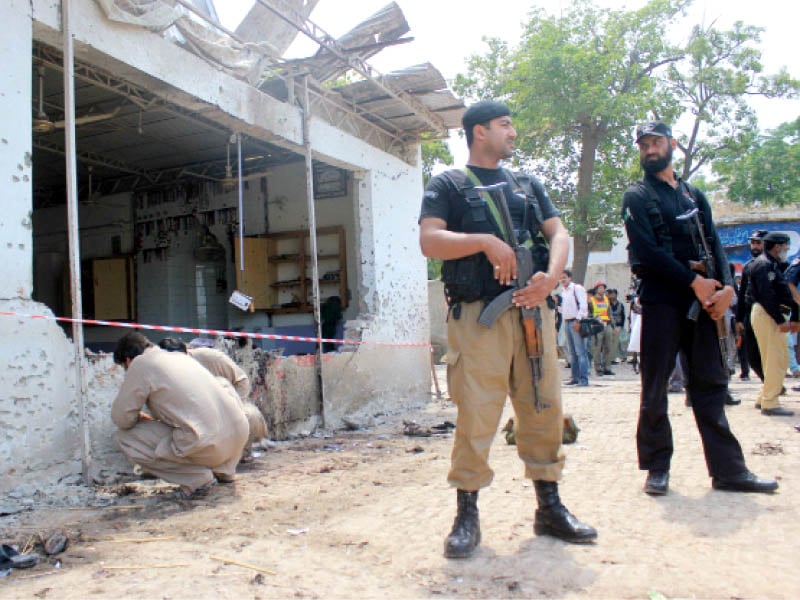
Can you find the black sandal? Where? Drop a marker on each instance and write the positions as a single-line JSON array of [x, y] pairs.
[[11, 559]]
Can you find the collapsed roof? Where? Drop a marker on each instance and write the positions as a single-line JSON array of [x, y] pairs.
[[131, 137]]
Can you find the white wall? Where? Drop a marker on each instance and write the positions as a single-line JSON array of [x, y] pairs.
[[15, 150], [38, 402], [38, 418]]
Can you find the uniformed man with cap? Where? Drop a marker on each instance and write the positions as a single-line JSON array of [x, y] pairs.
[[460, 223], [661, 250], [772, 306], [750, 357]]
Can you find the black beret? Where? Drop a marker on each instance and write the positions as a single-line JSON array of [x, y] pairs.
[[758, 234], [482, 112], [776, 237], [653, 128]]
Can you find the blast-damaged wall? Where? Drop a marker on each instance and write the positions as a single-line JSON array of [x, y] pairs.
[[40, 436], [38, 417]]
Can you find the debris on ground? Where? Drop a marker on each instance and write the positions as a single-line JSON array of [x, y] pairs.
[[412, 428], [768, 448], [54, 542]]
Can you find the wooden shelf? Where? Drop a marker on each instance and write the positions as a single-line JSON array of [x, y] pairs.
[[278, 268]]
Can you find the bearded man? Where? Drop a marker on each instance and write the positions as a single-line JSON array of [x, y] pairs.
[[662, 251]]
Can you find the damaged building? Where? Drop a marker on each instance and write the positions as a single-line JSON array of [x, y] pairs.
[[162, 170]]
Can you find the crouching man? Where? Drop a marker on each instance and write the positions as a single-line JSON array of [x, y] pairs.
[[195, 429], [220, 365]]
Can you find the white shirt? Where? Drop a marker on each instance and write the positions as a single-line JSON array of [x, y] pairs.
[[573, 302]]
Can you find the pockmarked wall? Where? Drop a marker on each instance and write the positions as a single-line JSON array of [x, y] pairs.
[[40, 436]]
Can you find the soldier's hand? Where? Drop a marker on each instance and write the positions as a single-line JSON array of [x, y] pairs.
[[704, 288], [719, 302], [502, 256], [538, 288], [739, 328], [784, 327]]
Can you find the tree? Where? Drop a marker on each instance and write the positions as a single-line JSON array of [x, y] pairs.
[[721, 70], [577, 84], [434, 152], [768, 171]]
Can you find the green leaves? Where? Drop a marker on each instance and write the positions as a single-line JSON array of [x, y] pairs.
[[579, 80], [767, 171]]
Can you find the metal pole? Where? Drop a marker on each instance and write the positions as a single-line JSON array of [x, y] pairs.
[[241, 203], [74, 234], [312, 236]]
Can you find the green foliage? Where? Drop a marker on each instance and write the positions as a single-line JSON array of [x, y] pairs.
[[434, 152], [720, 71], [434, 268], [579, 81], [768, 171]]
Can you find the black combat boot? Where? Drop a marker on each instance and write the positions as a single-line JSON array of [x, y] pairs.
[[553, 518], [466, 533]]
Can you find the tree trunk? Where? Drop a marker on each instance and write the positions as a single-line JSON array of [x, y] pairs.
[[580, 257]]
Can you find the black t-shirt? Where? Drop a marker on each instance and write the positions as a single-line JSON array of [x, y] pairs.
[[667, 277], [443, 200]]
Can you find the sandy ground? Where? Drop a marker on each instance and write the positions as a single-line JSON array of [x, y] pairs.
[[363, 514]]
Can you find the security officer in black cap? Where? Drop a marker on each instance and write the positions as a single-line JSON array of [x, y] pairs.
[[661, 248], [461, 222], [772, 304], [750, 358]]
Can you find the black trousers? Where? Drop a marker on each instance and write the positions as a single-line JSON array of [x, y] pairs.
[[665, 331], [753, 353], [744, 360]]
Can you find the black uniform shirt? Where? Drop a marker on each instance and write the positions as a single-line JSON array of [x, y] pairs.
[[768, 287], [443, 200], [743, 304], [667, 277], [792, 272]]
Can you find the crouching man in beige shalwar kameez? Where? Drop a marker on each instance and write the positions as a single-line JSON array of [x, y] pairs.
[[221, 365], [197, 429]]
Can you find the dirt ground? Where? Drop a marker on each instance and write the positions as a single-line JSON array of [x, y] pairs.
[[364, 514]]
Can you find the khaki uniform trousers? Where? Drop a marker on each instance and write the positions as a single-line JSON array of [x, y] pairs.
[[602, 349], [149, 445], [774, 355], [484, 365]]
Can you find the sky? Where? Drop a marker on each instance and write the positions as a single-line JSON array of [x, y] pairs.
[[447, 32]]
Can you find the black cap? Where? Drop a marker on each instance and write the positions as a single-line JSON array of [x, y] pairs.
[[758, 234], [653, 128], [776, 237], [482, 112]]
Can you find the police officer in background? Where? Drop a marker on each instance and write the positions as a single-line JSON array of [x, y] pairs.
[[458, 224], [750, 358], [772, 304], [792, 275], [661, 247]]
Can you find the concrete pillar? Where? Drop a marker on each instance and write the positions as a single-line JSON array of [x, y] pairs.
[[16, 234]]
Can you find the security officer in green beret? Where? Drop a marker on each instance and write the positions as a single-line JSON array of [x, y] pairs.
[[770, 316], [459, 223]]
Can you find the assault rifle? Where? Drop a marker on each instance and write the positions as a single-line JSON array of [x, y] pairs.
[[531, 317], [707, 267]]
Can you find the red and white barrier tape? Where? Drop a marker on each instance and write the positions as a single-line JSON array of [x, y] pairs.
[[200, 331]]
